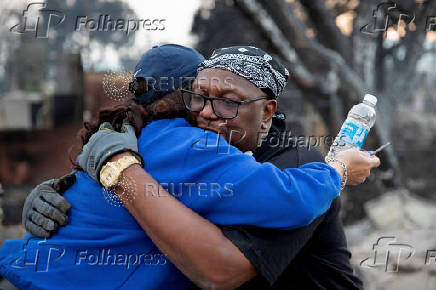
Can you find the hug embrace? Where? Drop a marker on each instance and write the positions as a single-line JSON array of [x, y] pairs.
[[280, 228]]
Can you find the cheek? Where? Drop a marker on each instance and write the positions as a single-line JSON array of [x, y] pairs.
[[248, 125], [193, 116], [253, 119]]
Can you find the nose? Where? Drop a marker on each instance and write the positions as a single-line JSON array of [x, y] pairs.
[[207, 112]]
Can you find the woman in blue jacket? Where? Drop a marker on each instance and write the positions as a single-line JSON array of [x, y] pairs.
[[104, 247]]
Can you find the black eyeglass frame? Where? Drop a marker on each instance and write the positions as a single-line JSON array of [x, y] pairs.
[[211, 99]]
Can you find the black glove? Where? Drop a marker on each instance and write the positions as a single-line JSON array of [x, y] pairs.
[[45, 209]]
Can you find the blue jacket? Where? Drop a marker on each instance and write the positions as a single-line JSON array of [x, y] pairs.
[[104, 247]]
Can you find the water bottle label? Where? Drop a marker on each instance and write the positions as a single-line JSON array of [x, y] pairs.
[[353, 134]]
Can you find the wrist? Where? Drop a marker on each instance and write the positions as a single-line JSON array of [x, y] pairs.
[[111, 172], [340, 167], [118, 156], [130, 171]]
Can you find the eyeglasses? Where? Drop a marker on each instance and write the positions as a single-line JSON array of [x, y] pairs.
[[223, 108]]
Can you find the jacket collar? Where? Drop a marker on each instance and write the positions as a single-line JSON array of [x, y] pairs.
[[275, 135]]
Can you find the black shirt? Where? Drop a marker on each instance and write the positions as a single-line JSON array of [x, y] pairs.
[[312, 257]]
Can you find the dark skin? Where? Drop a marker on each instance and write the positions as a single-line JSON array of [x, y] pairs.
[[253, 119], [214, 262], [193, 244]]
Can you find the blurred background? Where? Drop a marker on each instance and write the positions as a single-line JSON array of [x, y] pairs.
[[60, 62]]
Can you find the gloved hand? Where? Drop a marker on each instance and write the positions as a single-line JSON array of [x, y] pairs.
[[45, 209], [105, 143]]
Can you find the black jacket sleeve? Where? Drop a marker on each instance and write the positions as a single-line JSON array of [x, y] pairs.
[[271, 251]]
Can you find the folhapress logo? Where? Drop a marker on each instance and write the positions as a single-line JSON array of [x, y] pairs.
[[388, 254], [38, 255], [39, 20], [33, 20], [384, 15], [106, 23]]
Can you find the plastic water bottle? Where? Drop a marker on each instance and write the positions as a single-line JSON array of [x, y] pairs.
[[356, 127]]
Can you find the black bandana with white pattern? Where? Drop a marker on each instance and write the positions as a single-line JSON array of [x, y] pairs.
[[251, 63]]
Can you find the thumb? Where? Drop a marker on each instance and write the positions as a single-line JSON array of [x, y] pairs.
[[106, 126], [364, 153], [374, 161], [63, 183], [127, 128]]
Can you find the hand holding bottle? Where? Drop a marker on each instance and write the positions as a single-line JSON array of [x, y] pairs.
[[358, 164]]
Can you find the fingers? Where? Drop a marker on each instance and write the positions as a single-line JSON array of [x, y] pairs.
[[365, 153], [371, 160], [356, 178], [360, 165], [50, 211], [127, 128], [126, 121], [356, 181], [58, 202], [36, 230], [106, 126], [40, 220], [47, 183], [63, 183], [374, 161]]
